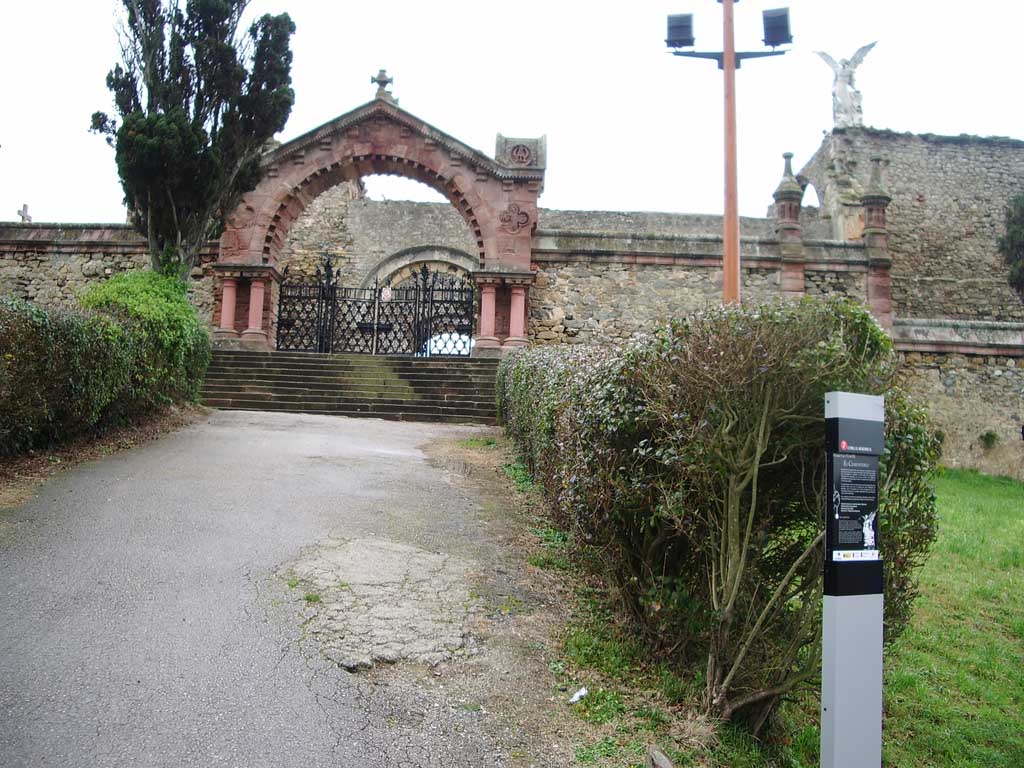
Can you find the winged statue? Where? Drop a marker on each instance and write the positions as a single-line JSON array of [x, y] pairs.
[[846, 99]]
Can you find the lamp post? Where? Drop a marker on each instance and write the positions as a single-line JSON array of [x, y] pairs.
[[680, 35]]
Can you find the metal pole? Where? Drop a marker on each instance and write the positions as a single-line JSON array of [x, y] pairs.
[[731, 224]]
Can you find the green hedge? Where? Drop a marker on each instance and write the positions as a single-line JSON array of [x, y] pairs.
[[171, 347], [693, 462], [65, 372]]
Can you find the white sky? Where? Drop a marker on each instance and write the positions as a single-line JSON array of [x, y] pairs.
[[629, 126]]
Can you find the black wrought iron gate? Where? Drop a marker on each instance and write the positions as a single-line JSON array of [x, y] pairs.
[[429, 314]]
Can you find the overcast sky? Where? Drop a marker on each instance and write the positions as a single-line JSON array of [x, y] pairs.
[[629, 126]]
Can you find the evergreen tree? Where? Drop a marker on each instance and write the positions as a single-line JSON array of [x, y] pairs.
[[1011, 245], [198, 100]]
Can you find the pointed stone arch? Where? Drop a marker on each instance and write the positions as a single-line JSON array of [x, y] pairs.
[[497, 197]]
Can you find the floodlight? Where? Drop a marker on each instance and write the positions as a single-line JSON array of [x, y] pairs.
[[776, 27], [680, 31]]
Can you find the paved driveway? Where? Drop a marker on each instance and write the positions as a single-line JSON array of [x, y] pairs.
[[147, 619]]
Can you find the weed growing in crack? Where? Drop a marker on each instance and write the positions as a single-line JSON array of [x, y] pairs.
[[311, 597]]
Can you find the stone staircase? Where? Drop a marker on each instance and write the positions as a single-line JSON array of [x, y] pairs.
[[459, 390]]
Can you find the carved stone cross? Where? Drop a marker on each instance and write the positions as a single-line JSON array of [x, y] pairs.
[[25, 218], [383, 81]]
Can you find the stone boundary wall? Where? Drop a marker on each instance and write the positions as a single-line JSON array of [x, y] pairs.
[[53, 264], [949, 197], [600, 277], [608, 285], [969, 396]]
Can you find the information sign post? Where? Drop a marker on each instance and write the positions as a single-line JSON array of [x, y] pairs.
[[851, 675]]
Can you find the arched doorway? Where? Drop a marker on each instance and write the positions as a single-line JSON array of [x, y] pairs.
[[497, 198]]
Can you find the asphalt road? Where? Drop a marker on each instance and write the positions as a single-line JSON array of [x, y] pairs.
[[144, 620]]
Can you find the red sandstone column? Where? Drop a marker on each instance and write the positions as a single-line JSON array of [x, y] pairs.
[[517, 318], [229, 286], [485, 336], [880, 291], [255, 330]]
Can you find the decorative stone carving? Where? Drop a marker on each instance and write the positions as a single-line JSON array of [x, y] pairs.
[[522, 153], [846, 99], [513, 219]]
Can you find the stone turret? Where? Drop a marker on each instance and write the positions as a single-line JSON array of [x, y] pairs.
[[788, 195]]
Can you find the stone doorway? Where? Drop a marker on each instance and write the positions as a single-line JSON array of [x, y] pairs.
[[496, 197]]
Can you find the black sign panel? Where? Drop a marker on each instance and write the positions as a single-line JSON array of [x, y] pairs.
[[853, 505], [853, 565]]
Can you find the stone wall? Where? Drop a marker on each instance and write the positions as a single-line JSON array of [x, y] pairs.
[[53, 264], [578, 302], [830, 282], [361, 234], [949, 196], [969, 396], [606, 276], [321, 230]]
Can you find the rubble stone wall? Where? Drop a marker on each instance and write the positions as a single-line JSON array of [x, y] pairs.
[[949, 198], [978, 403], [53, 264]]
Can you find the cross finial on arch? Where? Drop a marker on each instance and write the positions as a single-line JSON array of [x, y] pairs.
[[383, 81]]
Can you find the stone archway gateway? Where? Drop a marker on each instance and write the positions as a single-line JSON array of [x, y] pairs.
[[497, 197]]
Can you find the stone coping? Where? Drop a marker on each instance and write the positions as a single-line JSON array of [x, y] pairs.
[[645, 236], [969, 337]]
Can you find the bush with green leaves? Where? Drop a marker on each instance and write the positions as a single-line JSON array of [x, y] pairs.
[[170, 349], [693, 462], [59, 371], [138, 345]]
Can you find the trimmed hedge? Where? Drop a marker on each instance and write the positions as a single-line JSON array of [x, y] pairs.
[[171, 346], [692, 461], [66, 372]]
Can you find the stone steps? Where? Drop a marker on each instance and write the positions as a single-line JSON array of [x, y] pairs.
[[458, 390]]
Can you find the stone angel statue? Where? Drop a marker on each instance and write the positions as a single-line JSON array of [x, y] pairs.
[[846, 99]]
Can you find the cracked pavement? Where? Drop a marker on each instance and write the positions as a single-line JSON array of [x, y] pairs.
[[147, 618]]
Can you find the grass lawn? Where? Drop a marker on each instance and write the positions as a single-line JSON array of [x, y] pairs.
[[954, 682]]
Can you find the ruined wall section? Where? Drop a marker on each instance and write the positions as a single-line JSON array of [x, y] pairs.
[[382, 229], [359, 234], [321, 230], [949, 196]]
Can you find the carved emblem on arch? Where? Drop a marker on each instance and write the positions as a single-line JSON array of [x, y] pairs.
[[520, 154], [513, 219]]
